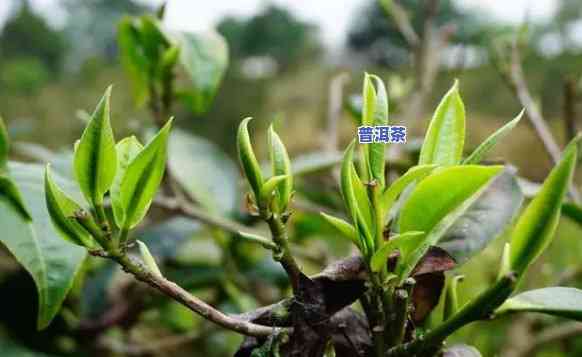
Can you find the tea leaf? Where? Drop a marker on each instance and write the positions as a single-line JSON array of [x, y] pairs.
[[482, 150], [391, 193], [133, 59], [403, 242], [269, 186], [247, 158], [127, 149], [375, 112], [281, 165], [461, 350], [51, 261], [343, 227], [95, 158], [148, 259], [445, 137], [204, 56], [61, 209], [143, 177], [557, 301], [535, 228]]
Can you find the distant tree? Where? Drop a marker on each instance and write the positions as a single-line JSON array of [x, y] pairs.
[[27, 35], [374, 33], [274, 32]]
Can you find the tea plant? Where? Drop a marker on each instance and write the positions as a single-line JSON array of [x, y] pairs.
[[411, 231]]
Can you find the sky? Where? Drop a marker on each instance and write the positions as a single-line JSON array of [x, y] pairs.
[[332, 16]]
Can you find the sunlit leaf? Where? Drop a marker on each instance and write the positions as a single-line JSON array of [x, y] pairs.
[[148, 259], [375, 113], [95, 156], [143, 177], [391, 193], [50, 260], [483, 217], [445, 137], [247, 158], [557, 301], [281, 165], [535, 228], [489, 143]]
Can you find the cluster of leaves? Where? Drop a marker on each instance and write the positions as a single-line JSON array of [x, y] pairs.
[[453, 203], [150, 54], [126, 172]]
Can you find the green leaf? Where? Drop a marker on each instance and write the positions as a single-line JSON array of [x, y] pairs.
[[451, 304], [52, 262], [482, 218], [362, 199], [557, 301], [95, 157], [572, 211], [148, 259], [143, 177], [205, 59], [10, 194], [391, 193], [375, 113], [535, 228], [247, 158], [134, 59], [403, 242], [344, 228], [204, 171], [350, 198], [127, 149], [4, 145], [445, 137], [269, 188], [281, 165], [440, 193], [482, 150], [433, 209], [62, 209]]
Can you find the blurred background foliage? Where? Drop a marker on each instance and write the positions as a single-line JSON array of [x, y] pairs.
[[280, 69]]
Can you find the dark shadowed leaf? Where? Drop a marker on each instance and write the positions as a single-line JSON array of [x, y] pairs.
[[491, 211], [557, 301], [204, 171], [52, 262]]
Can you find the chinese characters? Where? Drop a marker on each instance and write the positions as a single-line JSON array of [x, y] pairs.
[[382, 134]]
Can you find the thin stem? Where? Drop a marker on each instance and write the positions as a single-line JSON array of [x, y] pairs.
[[479, 308], [182, 296], [401, 298], [279, 236]]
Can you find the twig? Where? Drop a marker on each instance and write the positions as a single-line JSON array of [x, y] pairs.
[[182, 296], [335, 110], [519, 85]]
